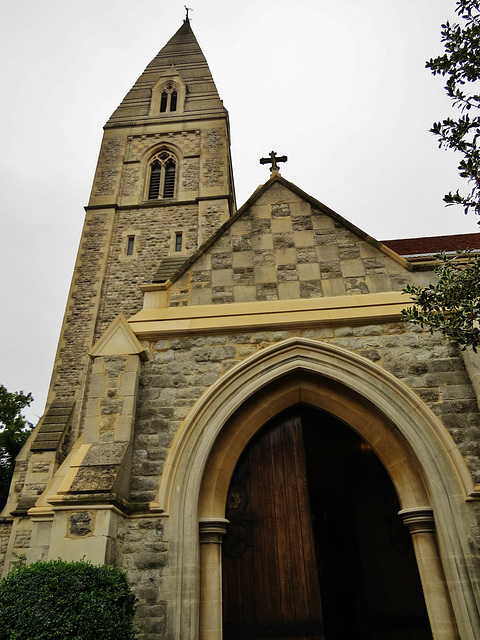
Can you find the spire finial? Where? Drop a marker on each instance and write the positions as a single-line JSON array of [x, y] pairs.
[[274, 169], [187, 9]]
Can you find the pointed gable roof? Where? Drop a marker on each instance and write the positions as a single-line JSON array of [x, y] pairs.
[[173, 271], [118, 339], [181, 55]]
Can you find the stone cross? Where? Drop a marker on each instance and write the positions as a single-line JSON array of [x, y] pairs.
[[273, 160]]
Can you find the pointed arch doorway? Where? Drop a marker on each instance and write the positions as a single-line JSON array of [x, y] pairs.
[[430, 477], [315, 548]]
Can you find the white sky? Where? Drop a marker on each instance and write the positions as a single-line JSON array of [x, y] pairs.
[[340, 87]]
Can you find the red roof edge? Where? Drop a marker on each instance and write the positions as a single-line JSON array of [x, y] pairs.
[[435, 244]]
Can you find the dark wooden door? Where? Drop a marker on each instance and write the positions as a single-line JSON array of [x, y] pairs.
[[271, 585], [315, 548]]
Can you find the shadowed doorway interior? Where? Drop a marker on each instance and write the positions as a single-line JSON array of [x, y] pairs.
[[315, 549]]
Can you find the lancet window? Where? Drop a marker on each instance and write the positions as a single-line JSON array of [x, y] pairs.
[[168, 100], [163, 170]]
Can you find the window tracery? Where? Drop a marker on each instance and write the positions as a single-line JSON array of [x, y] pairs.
[[168, 100], [162, 179], [168, 96]]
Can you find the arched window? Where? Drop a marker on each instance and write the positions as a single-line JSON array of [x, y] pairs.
[[168, 100], [168, 96], [164, 102], [162, 176]]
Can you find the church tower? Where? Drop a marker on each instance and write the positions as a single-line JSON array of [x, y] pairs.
[[162, 186]]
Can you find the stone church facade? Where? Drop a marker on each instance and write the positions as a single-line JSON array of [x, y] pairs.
[[201, 346]]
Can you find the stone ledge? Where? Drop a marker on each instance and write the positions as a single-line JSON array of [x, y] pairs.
[[54, 425], [335, 310]]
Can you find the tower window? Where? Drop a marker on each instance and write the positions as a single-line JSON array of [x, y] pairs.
[[178, 241], [168, 101], [164, 102], [130, 245], [169, 187], [162, 176]]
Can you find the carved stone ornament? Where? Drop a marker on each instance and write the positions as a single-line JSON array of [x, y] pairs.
[[105, 185], [187, 141], [214, 140], [191, 175], [213, 173], [111, 149], [130, 181]]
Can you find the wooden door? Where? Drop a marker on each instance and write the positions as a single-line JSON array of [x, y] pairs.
[[315, 549], [271, 585]]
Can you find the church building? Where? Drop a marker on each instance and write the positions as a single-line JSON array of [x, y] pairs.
[[238, 416]]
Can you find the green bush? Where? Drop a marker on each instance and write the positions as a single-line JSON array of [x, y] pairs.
[[67, 600]]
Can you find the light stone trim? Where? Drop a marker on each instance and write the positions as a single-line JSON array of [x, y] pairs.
[[211, 536], [417, 451], [141, 144], [472, 363], [170, 80], [421, 525], [335, 310], [117, 340]]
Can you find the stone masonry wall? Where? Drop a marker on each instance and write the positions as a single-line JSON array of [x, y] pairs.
[[5, 530], [144, 554], [77, 330], [120, 179], [181, 369], [152, 229], [121, 277]]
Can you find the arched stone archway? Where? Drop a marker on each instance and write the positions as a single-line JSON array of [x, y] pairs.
[[426, 468]]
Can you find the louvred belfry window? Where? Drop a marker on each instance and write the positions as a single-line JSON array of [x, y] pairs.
[[162, 176]]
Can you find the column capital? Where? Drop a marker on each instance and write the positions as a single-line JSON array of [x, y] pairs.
[[212, 530], [418, 520]]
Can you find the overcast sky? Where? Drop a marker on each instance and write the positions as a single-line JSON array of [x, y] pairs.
[[339, 87]]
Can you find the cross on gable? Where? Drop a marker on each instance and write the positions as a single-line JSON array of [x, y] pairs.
[[273, 160]]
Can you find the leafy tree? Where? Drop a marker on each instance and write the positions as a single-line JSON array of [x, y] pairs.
[[14, 431], [453, 304], [66, 600], [460, 64]]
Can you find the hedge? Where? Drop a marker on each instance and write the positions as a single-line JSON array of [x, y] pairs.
[[67, 600]]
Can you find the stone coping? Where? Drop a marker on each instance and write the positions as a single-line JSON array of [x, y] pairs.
[[275, 314]]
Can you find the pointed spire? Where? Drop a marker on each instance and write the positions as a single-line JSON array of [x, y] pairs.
[[182, 54]]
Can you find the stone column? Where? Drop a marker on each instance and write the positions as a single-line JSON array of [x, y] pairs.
[[211, 535], [421, 525]]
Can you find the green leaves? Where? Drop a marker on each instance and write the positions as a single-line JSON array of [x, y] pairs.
[[451, 306], [66, 600], [14, 431], [461, 66]]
